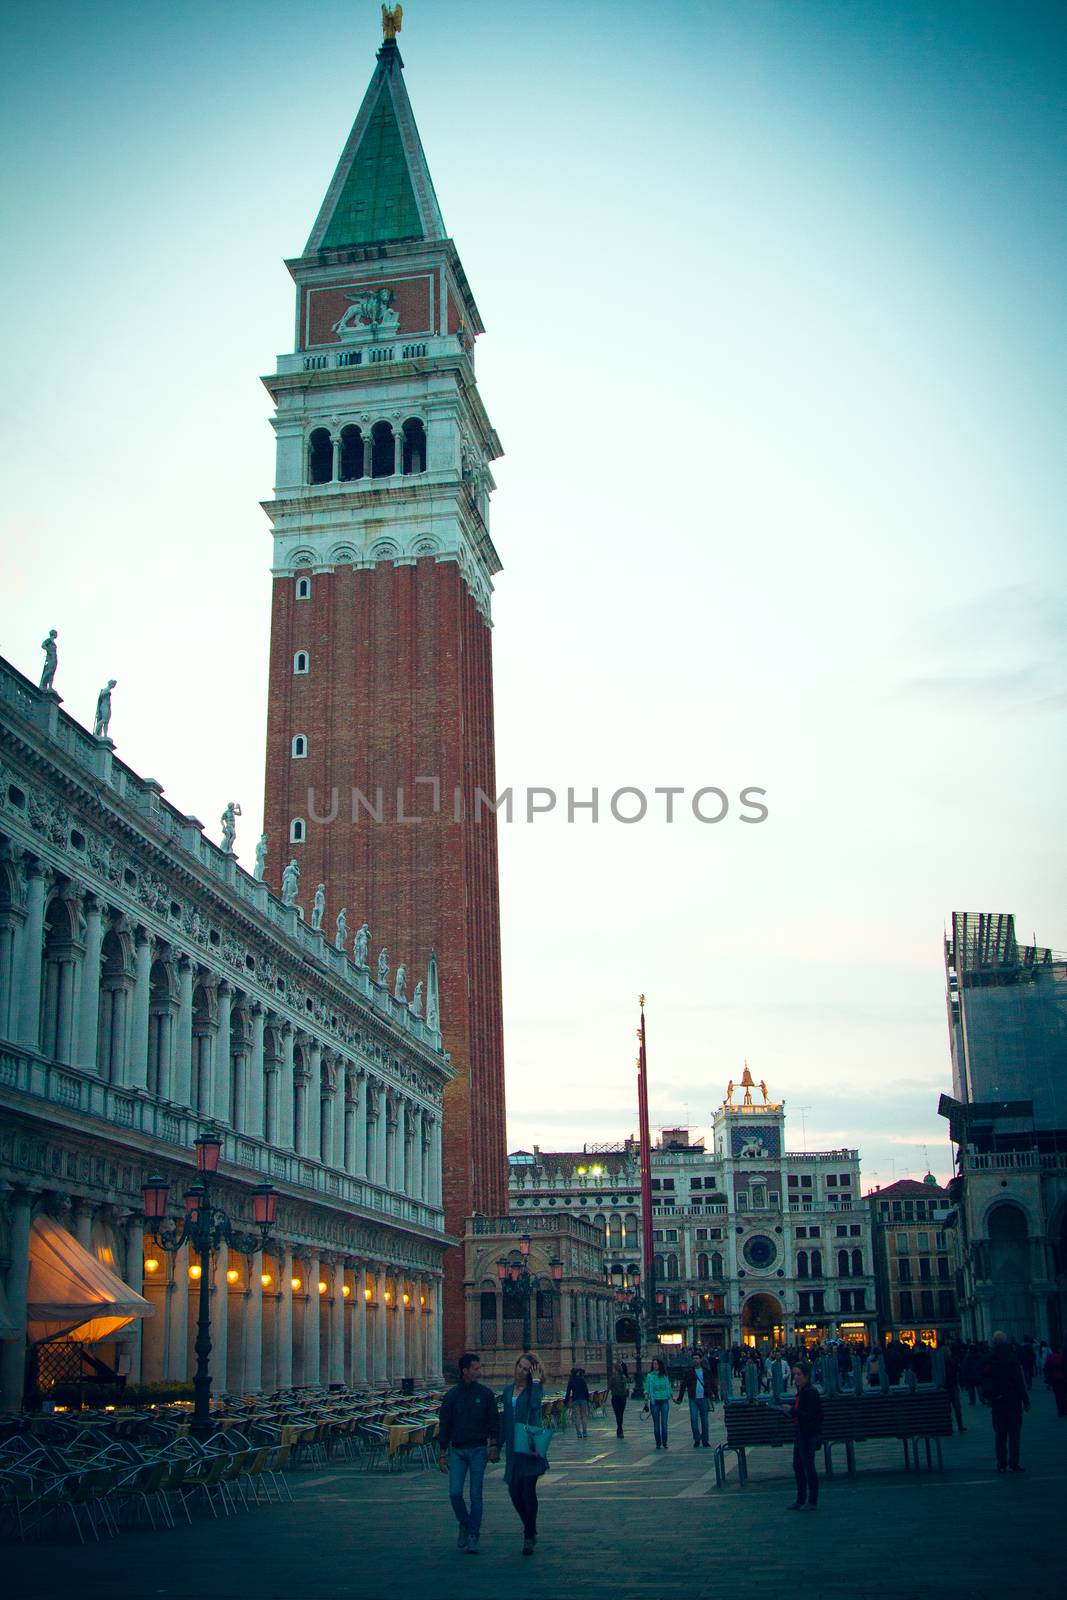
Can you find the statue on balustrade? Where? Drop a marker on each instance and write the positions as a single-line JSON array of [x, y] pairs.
[[290, 884], [318, 908], [400, 986], [383, 967], [362, 945], [103, 710], [51, 661], [416, 1000], [261, 858], [340, 938], [229, 827]]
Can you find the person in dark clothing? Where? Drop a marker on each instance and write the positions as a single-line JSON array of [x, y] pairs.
[[952, 1385], [1028, 1360], [971, 1372], [468, 1438], [1056, 1378], [577, 1398], [806, 1413], [619, 1389], [1004, 1386], [695, 1388]]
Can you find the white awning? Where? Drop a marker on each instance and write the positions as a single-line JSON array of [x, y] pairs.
[[72, 1295]]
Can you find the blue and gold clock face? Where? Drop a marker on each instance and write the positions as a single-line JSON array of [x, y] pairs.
[[760, 1253]]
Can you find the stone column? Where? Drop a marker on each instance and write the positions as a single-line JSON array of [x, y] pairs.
[[368, 451], [312, 1103], [135, 1060], [360, 1167], [381, 1357], [312, 1321], [176, 1357], [182, 1075], [341, 1118], [13, 1351], [401, 1314], [82, 1219], [285, 1321], [252, 1379], [285, 1089], [400, 1148], [254, 1117], [29, 999], [335, 441], [348, 1140], [391, 1115], [327, 1108], [359, 1326], [337, 1324], [437, 1333], [133, 1274], [222, 1053], [398, 450], [219, 1360], [414, 1163]]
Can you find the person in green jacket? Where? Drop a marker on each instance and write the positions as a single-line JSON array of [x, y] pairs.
[[658, 1400]]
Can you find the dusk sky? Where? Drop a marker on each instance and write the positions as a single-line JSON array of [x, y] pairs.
[[775, 346]]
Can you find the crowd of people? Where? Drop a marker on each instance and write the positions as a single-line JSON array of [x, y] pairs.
[[476, 1424]]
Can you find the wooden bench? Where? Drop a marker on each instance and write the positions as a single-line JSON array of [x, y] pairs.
[[924, 1415]]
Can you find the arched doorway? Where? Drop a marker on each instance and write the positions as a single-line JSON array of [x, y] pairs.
[[762, 1321], [1009, 1261]]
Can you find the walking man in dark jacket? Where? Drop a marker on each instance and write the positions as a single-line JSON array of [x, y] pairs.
[[806, 1412], [1005, 1388], [468, 1438], [696, 1387]]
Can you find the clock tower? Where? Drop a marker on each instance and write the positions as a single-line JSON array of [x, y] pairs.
[[380, 719]]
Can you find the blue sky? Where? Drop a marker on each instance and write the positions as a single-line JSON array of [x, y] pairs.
[[775, 348]]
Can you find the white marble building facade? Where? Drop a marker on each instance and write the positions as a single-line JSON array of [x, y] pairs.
[[151, 989]]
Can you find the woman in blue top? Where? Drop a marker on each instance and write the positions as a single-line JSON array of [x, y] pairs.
[[658, 1399], [522, 1404]]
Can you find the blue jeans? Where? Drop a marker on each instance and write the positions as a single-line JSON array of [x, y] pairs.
[[698, 1419], [660, 1412], [460, 1462]]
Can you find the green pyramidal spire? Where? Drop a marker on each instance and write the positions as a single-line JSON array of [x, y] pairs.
[[382, 189]]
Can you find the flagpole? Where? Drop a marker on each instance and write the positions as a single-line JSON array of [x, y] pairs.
[[648, 1284]]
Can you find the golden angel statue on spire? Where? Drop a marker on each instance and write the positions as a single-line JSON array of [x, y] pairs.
[[392, 18]]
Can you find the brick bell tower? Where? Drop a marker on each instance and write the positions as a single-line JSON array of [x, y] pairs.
[[381, 683]]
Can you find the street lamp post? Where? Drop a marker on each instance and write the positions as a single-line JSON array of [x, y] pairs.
[[632, 1303], [526, 1283], [205, 1226]]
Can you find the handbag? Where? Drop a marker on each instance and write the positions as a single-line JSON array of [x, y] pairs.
[[533, 1440]]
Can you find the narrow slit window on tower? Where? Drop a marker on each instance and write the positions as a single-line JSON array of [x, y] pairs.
[[383, 451], [320, 456], [301, 661], [303, 588], [351, 454], [297, 831], [414, 446], [300, 746]]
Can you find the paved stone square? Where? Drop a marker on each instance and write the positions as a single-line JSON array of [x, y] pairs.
[[618, 1519]]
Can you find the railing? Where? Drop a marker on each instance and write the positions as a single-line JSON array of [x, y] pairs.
[[1017, 1161], [538, 1224], [172, 1129]]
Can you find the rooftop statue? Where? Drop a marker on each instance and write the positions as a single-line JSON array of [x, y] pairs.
[[392, 20], [229, 827], [51, 660], [103, 710]]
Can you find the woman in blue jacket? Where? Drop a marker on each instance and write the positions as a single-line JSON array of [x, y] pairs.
[[522, 1405], [658, 1399]]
